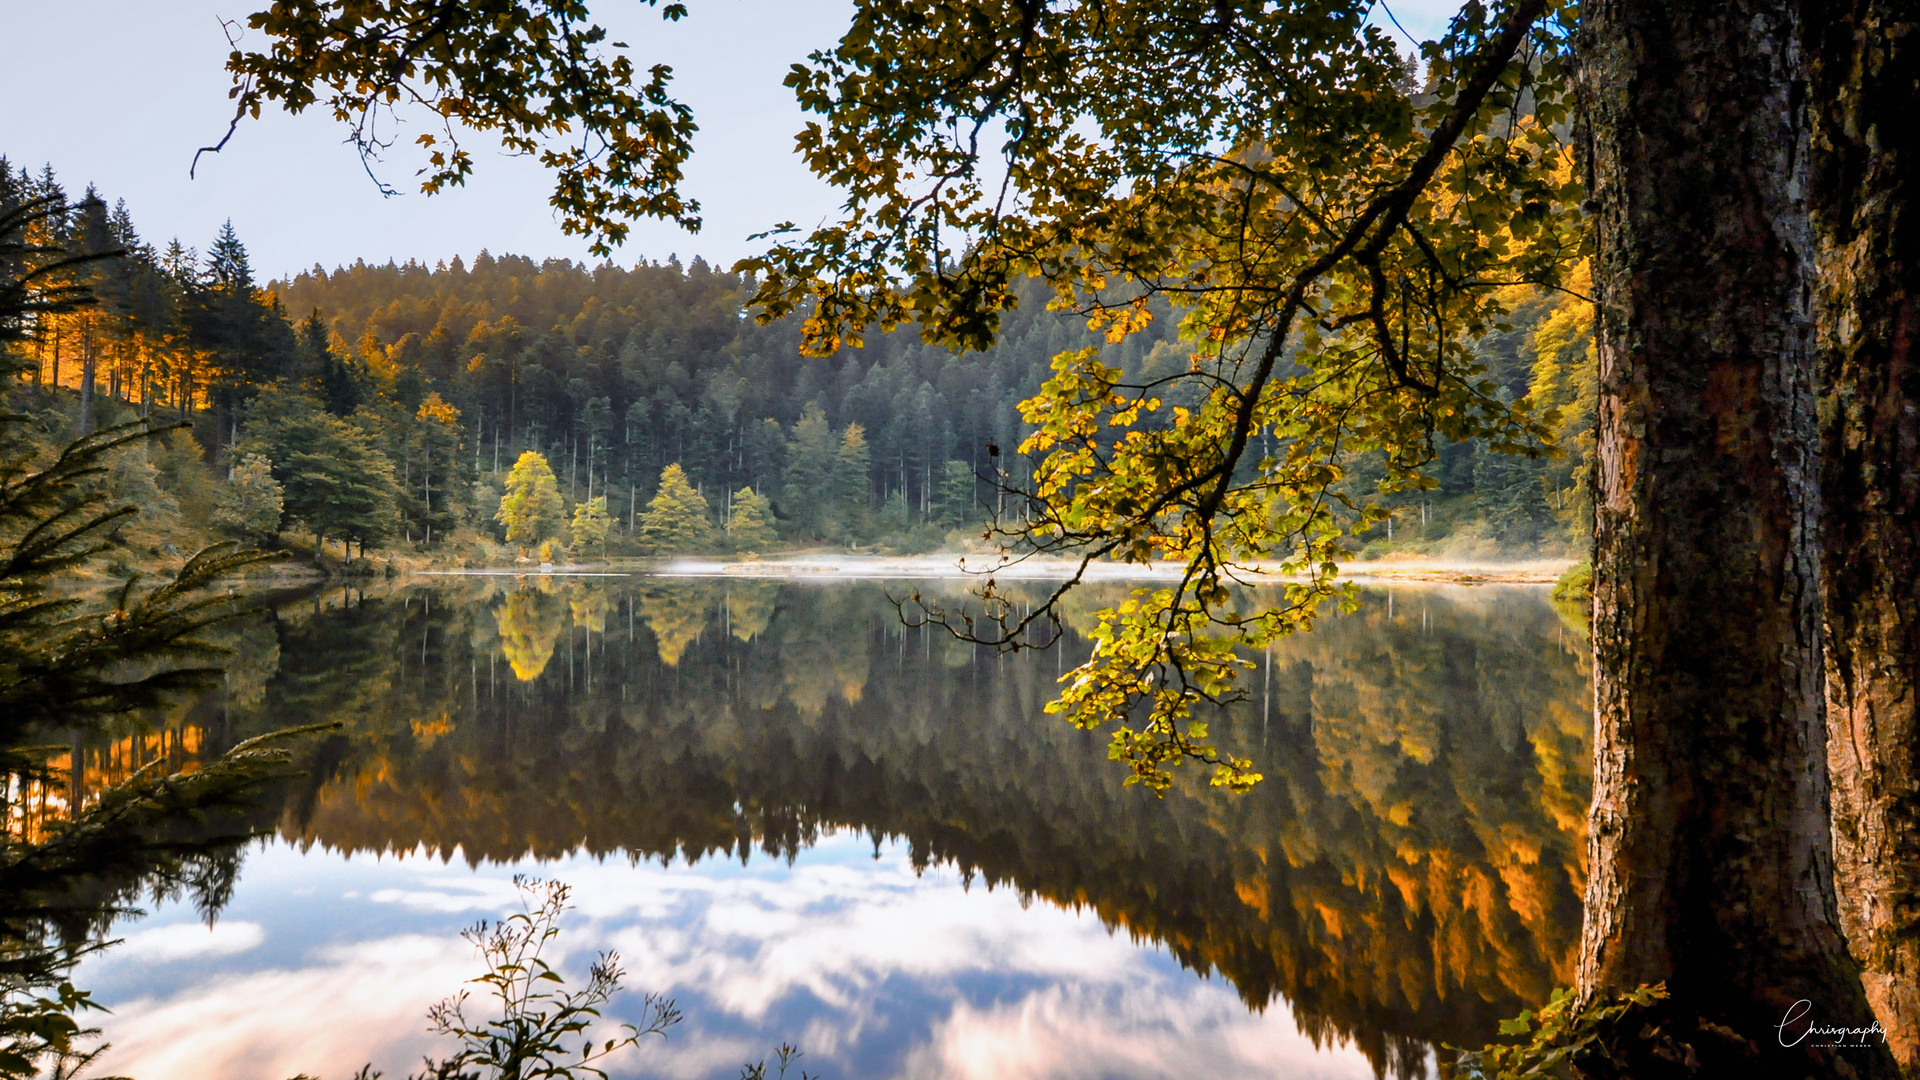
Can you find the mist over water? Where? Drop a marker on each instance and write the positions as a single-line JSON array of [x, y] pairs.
[[809, 823]]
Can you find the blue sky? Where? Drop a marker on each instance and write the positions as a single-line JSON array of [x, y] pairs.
[[155, 90]]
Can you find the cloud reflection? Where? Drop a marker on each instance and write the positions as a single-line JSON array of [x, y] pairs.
[[182, 941], [873, 970]]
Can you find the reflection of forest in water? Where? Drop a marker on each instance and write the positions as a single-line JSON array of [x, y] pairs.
[[1408, 872]]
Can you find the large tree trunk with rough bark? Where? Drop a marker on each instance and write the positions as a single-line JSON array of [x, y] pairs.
[[1710, 851], [1866, 153]]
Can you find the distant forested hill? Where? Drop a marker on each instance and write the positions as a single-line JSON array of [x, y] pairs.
[[630, 370], [376, 405], [640, 368]]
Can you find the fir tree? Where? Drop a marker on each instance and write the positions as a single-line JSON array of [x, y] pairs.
[[676, 519], [228, 268], [336, 377], [333, 475], [436, 436], [750, 528]]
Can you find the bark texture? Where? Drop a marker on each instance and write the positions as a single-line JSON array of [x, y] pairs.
[[1710, 850], [1865, 117]]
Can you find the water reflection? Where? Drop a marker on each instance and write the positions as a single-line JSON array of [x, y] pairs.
[[1408, 873]]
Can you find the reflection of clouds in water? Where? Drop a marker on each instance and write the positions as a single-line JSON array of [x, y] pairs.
[[182, 941], [487, 896], [868, 967], [366, 1001], [1081, 1032], [859, 931]]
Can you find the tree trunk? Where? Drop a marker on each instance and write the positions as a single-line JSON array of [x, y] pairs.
[[1866, 151], [1709, 849], [87, 366]]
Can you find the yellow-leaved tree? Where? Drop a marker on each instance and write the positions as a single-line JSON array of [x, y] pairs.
[[591, 523], [676, 521], [532, 509]]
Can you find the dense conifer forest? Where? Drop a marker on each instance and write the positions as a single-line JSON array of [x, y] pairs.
[[386, 406]]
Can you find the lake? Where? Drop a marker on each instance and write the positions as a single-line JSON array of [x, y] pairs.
[[808, 823]]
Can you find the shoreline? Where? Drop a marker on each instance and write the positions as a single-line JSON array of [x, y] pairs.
[[871, 567]]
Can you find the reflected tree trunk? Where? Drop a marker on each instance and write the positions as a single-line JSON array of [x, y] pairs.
[[1709, 844], [1865, 141]]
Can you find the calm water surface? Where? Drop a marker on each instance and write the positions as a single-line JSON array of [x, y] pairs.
[[806, 823]]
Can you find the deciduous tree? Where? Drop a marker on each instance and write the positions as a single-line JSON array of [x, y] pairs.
[[1709, 742], [1865, 161], [531, 509], [533, 74], [852, 482]]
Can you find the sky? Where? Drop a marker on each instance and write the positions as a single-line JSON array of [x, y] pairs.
[[154, 90]]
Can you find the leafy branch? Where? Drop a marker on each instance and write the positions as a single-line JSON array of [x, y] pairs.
[[539, 1023], [530, 72], [1334, 240]]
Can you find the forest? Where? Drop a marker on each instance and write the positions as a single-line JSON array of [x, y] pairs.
[[1229, 290], [385, 406]]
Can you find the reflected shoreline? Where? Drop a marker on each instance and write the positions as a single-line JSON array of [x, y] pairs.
[[1408, 873]]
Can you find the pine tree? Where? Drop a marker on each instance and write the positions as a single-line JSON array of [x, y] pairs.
[[228, 268], [532, 509], [750, 528], [676, 520]]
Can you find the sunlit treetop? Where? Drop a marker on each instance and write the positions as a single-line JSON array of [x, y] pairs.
[[533, 73]]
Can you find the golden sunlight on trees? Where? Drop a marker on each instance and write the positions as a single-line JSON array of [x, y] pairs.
[[676, 521], [750, 527], [531, 509], [529, 622], [591, 524], [677, 616]]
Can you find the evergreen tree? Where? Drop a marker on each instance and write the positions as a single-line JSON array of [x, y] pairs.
[[591, 522], [335, 377], [676, 520], [228, 268], [807, 499], [531, 509], [435, 445], [251, 502], [332, 474], [750, 528], [852, 484], [954, 504], [246, 341]]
